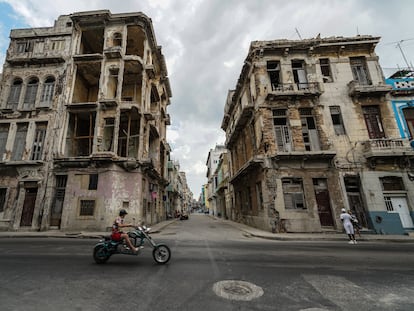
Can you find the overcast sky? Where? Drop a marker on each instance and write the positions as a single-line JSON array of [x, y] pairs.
[[206, 41]]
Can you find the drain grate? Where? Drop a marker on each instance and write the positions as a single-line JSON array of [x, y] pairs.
[[237, 290]]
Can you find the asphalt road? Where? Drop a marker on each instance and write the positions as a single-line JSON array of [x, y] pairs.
[[213, 267]]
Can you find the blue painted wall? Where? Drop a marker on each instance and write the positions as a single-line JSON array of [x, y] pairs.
[[387, 223]]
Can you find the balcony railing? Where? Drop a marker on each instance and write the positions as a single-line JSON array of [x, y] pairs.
[[295, 89], [386, 147]]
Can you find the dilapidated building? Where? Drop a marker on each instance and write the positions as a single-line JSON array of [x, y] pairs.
[[310, 130], [83, 118]]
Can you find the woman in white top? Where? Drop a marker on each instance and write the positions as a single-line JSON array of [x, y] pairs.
[[349, 228]]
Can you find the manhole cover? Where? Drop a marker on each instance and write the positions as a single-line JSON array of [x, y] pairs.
[[237, 290]]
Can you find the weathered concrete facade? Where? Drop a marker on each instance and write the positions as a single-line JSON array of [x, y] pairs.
[[83, 123], [310, 131]]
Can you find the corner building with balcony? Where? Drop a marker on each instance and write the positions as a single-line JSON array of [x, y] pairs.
[[83, 119], [310, 131]]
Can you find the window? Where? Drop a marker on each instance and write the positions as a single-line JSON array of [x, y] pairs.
[[4, 132], [19, 142], [359, 70], [325, 69], [39, 140], [309, 130], [259, 195], [47, 92], [117, 39], [282, 132], [337, 122], [3, 192], [81, 133], [58, 45], [24, 46], [373, 122], [87, 207], [388, 204], [108, 135], [392, 183], [128, 135], [93, 182], [30, 96], [299, 74], [14, 95], [273, 69], [57, 207], [293, 193]]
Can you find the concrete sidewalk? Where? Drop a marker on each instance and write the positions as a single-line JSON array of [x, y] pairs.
[[247, 231]]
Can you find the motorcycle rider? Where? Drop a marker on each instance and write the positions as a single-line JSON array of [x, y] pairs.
[[117, 234]]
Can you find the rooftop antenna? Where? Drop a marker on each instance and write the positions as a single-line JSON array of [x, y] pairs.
[[297, 31], [402, 53]]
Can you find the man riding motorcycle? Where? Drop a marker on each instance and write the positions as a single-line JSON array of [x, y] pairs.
[[117, 234]]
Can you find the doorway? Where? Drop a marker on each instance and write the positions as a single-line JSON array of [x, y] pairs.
[[322, 200], [29, 204]]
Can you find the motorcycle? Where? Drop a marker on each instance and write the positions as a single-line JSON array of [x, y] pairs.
[[104, 249]]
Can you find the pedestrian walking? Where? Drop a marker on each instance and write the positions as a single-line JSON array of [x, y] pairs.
[[355, 223], [348, 226]]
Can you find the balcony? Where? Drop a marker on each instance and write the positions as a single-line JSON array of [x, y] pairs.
[[113, 52], [387, 147], [243, 114], [401, 86], [356, 89], [309, 89]]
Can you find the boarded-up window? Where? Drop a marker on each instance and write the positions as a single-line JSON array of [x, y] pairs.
[[4, 132], [87, 207], [30, 96], [337, 122], [14, 95], [39, 141], [373, 122], [293, 193], [19, 142], [47, 92]]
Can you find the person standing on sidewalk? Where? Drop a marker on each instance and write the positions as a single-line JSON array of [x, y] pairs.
[[348, 226]]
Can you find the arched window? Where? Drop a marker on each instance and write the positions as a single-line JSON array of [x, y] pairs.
[[48, 91], [14, 95], [31, 92]]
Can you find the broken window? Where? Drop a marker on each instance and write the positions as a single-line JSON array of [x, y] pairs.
[[19, 142], [108, 134], [87, 207], [87, 82], [112, 82], [273, 69], [135, 41], [337, 121], [392, 183], [282, 132], [80, 134], [293, 193], [3, 192], [132, 82], [299, 74], [359, 70], [58, 45], [309, 130], [117, 39], [128, 138], [14, 95], [24, 46], [30, 96], [325, 69], [93, 182], [4, 132], [47, 92], [39, 141], [92, 41], [373, 122]]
